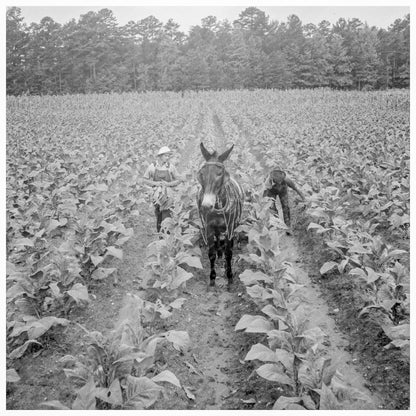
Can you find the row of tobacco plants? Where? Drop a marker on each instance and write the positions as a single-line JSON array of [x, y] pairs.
[[119, 370], [294, 356], [73, 194], [351, 154]]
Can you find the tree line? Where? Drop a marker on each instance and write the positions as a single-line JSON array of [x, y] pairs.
[[95, 55]]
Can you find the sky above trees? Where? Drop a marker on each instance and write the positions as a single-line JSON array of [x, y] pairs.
[[189, 16]]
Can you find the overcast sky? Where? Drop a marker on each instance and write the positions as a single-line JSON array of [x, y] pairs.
[[380, 16]]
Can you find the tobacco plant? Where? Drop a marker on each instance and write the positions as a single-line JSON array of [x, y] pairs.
[[119, 371], [294, 357]]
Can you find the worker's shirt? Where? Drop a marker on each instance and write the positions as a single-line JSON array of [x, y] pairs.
[[157, 172], [276, 188], [162, 195]]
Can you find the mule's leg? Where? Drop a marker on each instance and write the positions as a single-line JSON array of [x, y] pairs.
[[219, 246], [228, 257], [212, 254]]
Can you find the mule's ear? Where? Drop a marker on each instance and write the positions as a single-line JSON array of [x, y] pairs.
[[224, 156], [207, 155]]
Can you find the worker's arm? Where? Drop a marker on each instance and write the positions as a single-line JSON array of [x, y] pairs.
[[148, 175], [292, 185], [151, 182], [177, 179]]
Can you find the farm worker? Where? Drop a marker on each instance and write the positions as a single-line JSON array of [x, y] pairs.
[[277, 184], [162, 175]]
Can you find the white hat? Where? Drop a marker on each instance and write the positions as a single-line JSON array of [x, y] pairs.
[[163, 150]]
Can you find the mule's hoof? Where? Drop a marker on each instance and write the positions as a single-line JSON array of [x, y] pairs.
[[212, 283]]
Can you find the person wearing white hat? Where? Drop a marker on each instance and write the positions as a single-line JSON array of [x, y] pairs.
[[163, 151], [162, 175]]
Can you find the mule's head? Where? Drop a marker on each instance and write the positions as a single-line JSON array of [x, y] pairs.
[[212, 176]]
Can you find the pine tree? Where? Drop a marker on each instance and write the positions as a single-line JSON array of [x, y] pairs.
[[17, 40]]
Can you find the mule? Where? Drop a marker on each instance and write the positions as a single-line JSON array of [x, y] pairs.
[[220, 203]]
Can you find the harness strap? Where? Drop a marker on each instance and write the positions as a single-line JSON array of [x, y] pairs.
[[233, 206]]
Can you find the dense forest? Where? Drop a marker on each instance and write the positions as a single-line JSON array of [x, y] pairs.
[[95, 54]]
